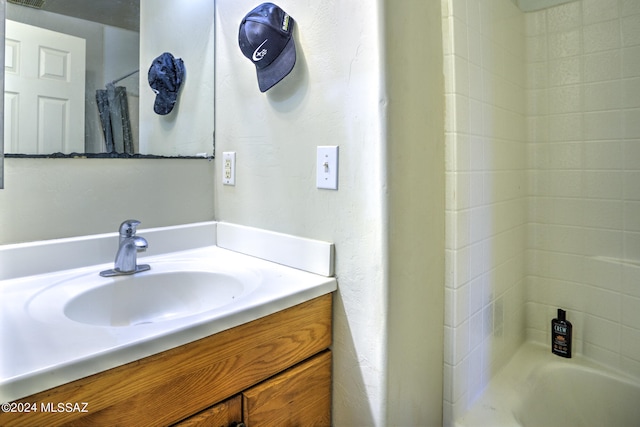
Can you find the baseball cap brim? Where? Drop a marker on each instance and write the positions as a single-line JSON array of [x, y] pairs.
[[164, 102], [279, 68]]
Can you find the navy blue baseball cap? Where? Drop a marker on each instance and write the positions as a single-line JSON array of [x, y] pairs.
[[166, 76], [266, 38]]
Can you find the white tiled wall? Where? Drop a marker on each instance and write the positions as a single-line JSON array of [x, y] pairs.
[[543, 183], [583, 91], [486, 206]]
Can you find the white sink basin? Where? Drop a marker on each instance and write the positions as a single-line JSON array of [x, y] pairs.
[[170, 290], [151, 298]]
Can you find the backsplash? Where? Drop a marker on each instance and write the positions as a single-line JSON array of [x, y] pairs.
[[46, 256], [313, 256]]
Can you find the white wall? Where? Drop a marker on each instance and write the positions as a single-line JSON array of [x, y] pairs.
[[584, 131], [486, 203], [415, 212], [333, 96], [53, 198], [350, 88]]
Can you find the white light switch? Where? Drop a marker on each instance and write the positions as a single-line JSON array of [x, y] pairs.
[[327, 167], [229, 168]]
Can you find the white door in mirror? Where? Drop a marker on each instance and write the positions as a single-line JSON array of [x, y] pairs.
[[44, 90]]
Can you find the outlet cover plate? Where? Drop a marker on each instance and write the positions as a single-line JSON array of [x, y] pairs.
[[229, 168]]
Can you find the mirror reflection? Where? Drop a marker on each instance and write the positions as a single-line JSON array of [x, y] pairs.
[[75, 77], [79, 92]]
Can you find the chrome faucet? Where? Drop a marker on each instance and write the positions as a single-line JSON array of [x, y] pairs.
[[127, 257]]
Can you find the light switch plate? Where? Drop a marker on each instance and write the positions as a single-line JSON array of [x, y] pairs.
[[327, 167], [229, 168]]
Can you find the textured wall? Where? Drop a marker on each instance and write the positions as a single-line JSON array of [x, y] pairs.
[[348, 89], [53, 198], [332, 97], [415, 176]]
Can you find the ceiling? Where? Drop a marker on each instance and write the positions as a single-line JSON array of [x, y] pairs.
[[117, 13]]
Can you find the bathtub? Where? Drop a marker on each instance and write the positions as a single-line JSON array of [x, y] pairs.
[[539, 389]]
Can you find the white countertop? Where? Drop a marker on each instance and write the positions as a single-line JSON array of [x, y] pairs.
[[40, 351]]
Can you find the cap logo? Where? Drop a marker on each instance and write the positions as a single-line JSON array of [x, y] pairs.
[[259, 54], [285, 23]]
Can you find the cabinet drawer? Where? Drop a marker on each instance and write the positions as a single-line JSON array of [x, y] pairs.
[[223, 414], [299, 396]]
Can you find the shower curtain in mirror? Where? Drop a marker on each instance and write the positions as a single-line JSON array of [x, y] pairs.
[[113, 106]]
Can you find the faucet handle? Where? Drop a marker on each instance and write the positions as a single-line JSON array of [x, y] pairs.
[[128, 228]]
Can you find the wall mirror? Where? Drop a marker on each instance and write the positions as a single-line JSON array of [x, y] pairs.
[[76, 78]]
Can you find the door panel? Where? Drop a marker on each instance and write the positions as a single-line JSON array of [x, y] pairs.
[[44, 90]]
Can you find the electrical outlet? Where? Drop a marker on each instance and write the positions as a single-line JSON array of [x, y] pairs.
[[229, 168]]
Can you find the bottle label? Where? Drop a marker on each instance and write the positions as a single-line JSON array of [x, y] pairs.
[[560, 343]]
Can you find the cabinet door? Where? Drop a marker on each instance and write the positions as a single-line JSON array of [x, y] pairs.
[[299, 396], [225, 414]]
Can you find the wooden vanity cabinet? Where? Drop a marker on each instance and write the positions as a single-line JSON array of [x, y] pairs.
[[274, 371], [299, 396]]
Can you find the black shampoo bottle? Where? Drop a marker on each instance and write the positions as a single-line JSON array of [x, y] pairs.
[[561, 330]]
